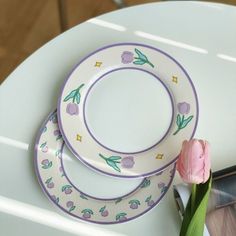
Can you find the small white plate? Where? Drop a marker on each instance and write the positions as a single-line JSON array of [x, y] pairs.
[[126, 108], [49, 155]]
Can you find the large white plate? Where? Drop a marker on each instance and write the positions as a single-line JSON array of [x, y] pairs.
[[62, 192], [126, 108]]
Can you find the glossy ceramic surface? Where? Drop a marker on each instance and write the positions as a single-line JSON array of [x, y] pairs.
[[144, 103], [201, 36], [63, 193]]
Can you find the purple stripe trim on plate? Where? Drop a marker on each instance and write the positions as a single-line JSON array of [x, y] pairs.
[[129, 68], [59, 111], [66, 211], [87, 195]]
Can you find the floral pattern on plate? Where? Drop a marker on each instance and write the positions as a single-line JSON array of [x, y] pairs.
[[127, 56], [57, 186]]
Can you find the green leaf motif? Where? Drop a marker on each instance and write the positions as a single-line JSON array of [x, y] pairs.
[[186, 121], [102, 209], [178, 120], [70, 95], [47, 166], [112, 161], [141, 55], [118, 216], [65, 187], [83, 197], [114, 158], [134, 201], [139, 62], [77, 98], [118, 200], [59, 137], [43, 145], [148, 198], [48, 180], [113, 165], [72, 208], [87, 211], [74, 95], [145, 183]]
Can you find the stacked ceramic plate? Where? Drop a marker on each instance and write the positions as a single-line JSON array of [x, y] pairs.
[[124, 112]]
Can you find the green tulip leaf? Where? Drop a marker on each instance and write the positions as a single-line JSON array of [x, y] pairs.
[[139, 62], [148, 198], [178, 120], [118, 200], [113, 165], [102, 209], [114, 158], [145, 183], [186, 121], [141, 55], [70, 95]]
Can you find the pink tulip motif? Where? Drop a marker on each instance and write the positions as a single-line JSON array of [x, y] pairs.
[[194, 166]]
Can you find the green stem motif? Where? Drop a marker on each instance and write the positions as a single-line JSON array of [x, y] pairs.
[[182, 122], [141, 59], [74, 95], [112, 161]]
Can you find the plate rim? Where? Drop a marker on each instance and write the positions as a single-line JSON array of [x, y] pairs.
[[37, 172], [91, 54]]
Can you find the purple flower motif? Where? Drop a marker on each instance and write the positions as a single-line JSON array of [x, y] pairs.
[[86, 215], [161, 185], [54, 198], [60, 169], [72, 109], [45, 162], [57, 132], [45, 149], [134, 205], [105, 213], [54, 119], [150, 203], [50, 185], [127, 162], [183, 108], [127, 57], [68, 191], [69, 204], [122, 218]]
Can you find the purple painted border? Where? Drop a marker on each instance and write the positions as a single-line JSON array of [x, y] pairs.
[[63, 209], [114, 45], [130, 68], [96, 198]]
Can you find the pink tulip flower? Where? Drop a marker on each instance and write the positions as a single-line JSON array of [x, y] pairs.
[[193, 163]]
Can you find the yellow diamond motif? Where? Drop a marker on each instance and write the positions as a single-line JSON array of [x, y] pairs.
[[98, 64], [159, 156], [78, 137], [175, 79]]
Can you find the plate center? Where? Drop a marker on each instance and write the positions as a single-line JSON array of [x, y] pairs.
[[128, 110], [93, 183]]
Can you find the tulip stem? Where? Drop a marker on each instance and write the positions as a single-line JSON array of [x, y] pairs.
[[193, 198]]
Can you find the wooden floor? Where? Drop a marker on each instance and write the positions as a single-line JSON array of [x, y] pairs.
[[25, 25]]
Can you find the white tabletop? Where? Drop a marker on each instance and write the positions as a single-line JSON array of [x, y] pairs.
[[201, 36]]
